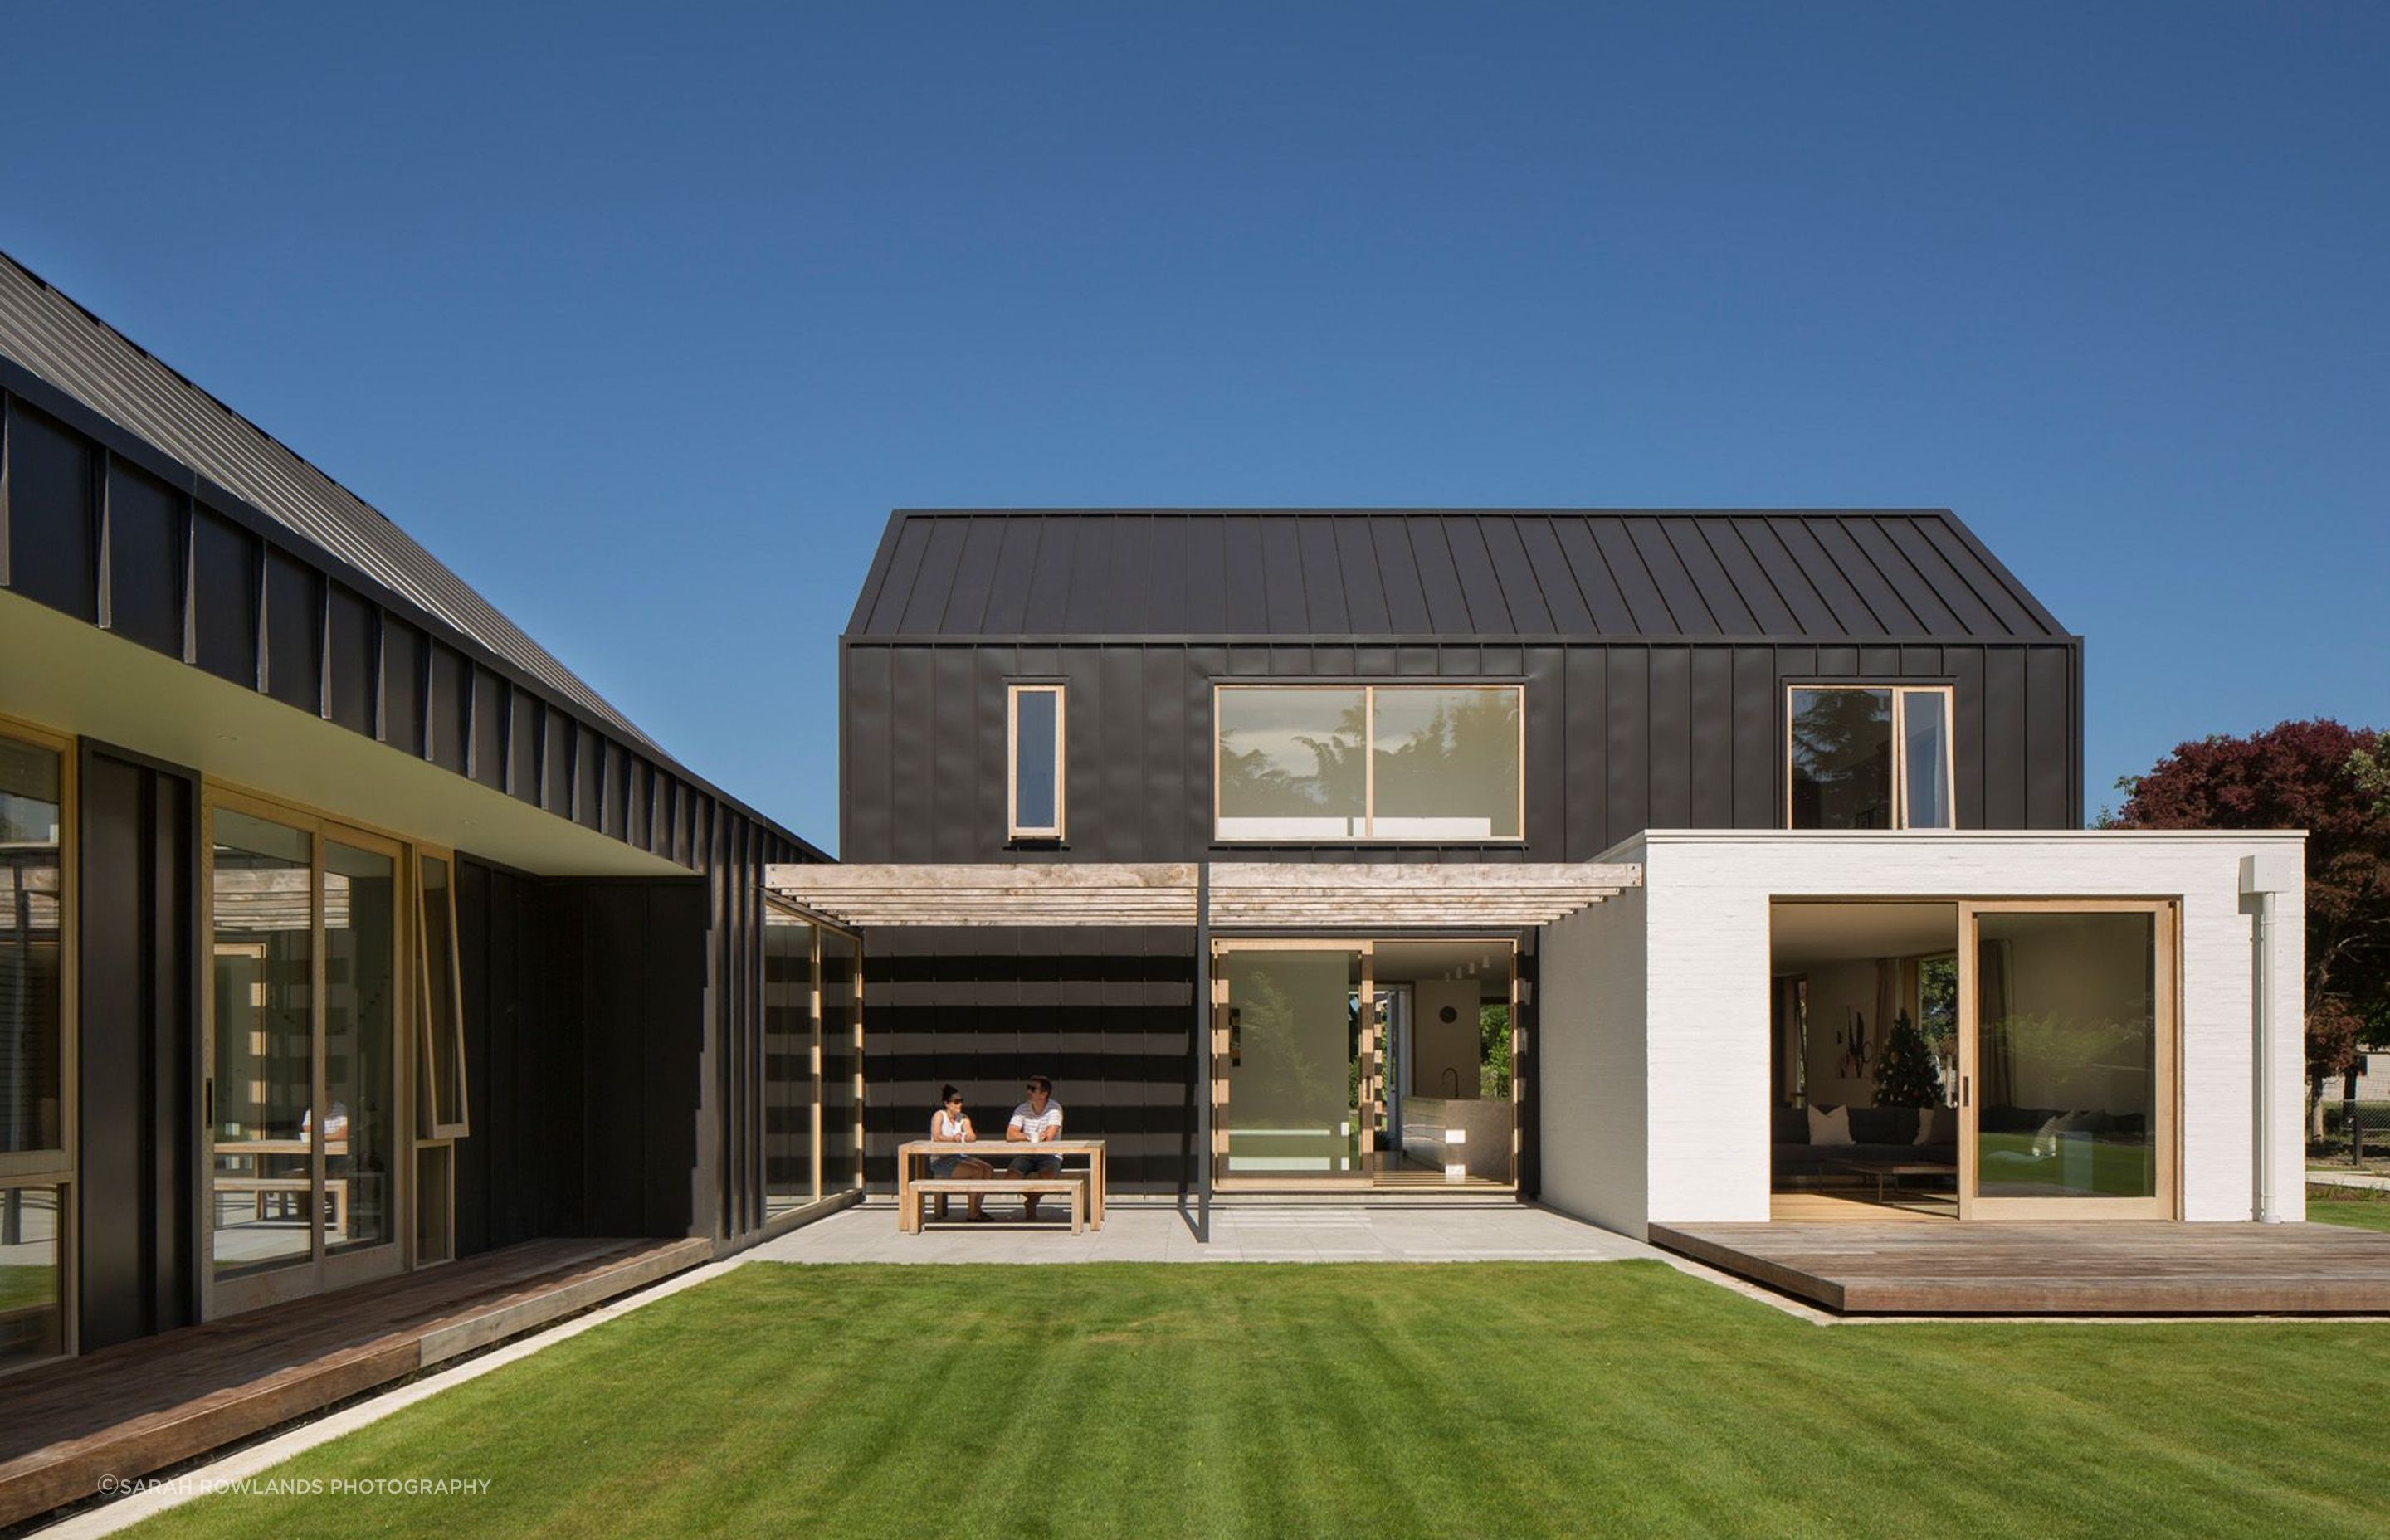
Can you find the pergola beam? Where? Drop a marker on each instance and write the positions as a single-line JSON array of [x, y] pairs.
[[1244, 894]]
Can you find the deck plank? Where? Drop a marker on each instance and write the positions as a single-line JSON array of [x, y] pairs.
[[2053, 1268], [140, 1406]]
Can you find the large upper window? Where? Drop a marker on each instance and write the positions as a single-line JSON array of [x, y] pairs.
[[1035, 731], [1368, 761], [1870, 756]]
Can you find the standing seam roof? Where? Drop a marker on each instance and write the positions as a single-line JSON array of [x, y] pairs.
[[1811, 573], [66, 346]]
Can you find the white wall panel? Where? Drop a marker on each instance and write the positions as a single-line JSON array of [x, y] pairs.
[[1590, 1046]]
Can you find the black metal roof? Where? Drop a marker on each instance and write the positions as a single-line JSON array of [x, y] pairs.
[[60, 342], [1562, 572]]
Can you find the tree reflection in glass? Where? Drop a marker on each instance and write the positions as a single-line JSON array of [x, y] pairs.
[[1842, 758]]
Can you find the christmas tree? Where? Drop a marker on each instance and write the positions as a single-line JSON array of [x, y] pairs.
[[1906, 1073]]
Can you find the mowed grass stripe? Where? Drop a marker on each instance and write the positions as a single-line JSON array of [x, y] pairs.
[[1366, 1400]]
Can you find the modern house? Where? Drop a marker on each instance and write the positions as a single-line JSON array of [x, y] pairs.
[[344, 930], [1598, 857], [1594, 856]]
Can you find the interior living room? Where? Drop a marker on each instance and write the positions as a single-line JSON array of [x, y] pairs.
[[1864, 1078]]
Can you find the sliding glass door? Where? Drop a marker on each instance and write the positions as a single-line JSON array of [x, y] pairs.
[[2067, 1054], [1365, 1062], [305, 995], [1292, 1087]]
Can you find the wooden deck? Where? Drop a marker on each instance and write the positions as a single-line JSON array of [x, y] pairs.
[[141, 1406], [2081, 1268]]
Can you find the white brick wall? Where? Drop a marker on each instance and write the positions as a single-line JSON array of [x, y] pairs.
[[1590, 1069], [1703, 974]]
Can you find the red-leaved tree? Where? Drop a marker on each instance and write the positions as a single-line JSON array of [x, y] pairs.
[[2333, 782]]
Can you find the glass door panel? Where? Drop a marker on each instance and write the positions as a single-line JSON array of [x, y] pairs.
[[1291, 1085], [2067, 1061], [265, 1187], [360, 1040]]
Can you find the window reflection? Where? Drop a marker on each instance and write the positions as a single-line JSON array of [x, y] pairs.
[[1291, 764], [33, 1312], [360, 1025], [32, 1020], [1380, 762], [1841, 759], [1869, 756], [2067, 1007], [1446, 763], [262, 974]]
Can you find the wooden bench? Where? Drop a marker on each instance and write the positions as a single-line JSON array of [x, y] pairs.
[[337, 1187], [1073, 1186]]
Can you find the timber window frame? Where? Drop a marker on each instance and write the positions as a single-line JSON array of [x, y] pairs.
[[1898, 694], [1016, 826], [1371, 825], [55, 1170], [443, 1113]]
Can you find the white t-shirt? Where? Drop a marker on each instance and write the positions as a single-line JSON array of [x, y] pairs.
[[1036, 1126]]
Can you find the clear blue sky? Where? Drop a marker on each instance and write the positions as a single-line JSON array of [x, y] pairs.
[[643, 324]]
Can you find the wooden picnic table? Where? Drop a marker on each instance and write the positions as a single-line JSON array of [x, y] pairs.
[[997, 1152]]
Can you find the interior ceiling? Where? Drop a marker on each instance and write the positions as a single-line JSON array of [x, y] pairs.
[[1809, 933], [1399, 960]]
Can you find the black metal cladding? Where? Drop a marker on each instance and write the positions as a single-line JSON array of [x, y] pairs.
[[1625, 730], [1106, 1012], [1620, 738]]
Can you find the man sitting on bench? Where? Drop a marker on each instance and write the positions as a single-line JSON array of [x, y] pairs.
[[1036, 1121]]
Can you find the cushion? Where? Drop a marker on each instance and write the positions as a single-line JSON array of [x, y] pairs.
[[1830, 1125], [1876, 1125], [2045, 1138], [1926, 1118]]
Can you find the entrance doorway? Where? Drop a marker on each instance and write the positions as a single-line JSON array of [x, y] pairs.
[[1372, 1063]]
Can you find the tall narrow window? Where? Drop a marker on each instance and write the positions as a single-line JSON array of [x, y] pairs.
[[441, 1019], [1037, 753], [35, 1162], [262, 897], [1869, 756]]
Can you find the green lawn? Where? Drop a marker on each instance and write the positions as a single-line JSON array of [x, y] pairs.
[[1367, 1400], [2360, 1208]]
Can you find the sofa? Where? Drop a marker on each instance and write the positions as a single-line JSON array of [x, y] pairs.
[[1877, 1134]]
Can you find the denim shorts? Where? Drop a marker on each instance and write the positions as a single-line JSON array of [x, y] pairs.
[[942, 1166], [1042, 1165]]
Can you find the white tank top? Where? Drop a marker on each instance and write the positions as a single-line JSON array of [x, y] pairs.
[[949, 1128]]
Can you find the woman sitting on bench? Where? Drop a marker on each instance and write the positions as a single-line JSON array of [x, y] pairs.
[[948, 1125]]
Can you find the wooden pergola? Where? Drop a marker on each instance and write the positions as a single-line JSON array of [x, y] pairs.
[[1259, 895], [1296, 896]]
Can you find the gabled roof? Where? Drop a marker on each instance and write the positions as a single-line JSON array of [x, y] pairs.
[[1398, 573], [61, 343]]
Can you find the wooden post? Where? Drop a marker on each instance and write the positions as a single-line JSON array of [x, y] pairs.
[[1203, 1066]]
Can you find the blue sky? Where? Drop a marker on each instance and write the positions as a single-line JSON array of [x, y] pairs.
[[643, 322]]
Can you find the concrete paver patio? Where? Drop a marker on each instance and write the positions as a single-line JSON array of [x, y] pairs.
[[1246, 1231]]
